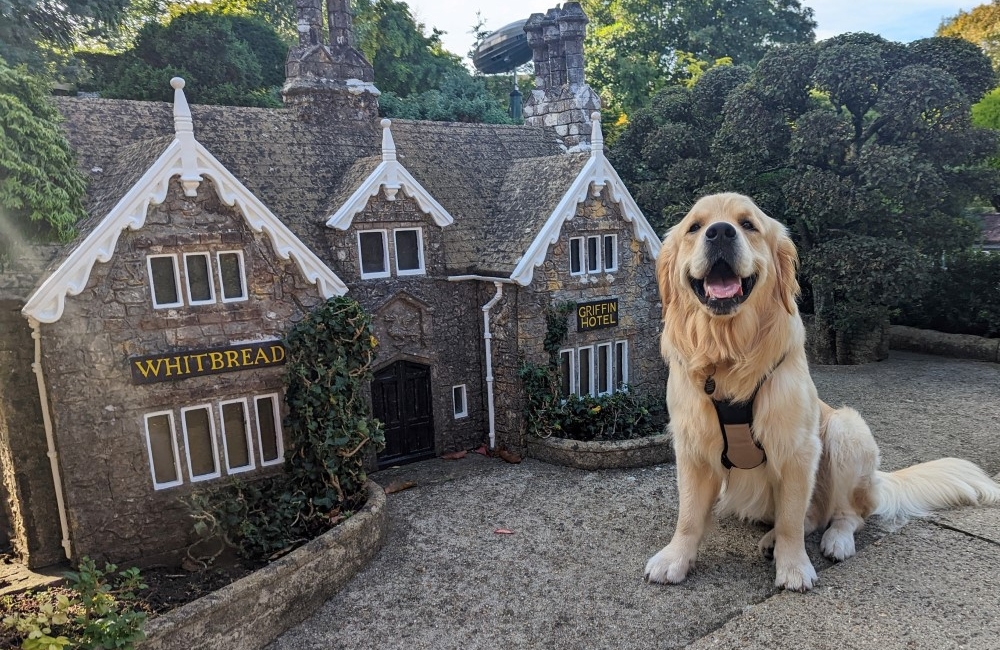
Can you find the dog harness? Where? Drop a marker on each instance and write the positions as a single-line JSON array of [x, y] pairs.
[[740, 449]]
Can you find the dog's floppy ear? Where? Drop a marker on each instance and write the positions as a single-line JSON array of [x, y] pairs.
[[664, 262], [786, 261]]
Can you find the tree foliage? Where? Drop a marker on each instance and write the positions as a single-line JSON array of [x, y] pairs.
[[225, 59], [980, 26], [41, 188], [852, 142], [637, 47]]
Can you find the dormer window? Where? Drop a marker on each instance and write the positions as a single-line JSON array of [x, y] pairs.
[[592, 255], [408, 252], [199, 279]]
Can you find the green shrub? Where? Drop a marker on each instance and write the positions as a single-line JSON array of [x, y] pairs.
[[859, 282], [327, 432], [961, 297], [96, 613]]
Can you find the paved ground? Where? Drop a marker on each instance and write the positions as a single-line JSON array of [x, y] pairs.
[[570, 575]]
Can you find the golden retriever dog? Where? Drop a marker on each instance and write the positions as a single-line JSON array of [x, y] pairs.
[[732, 332]]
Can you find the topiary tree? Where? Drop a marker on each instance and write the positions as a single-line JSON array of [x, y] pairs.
[[852, 139], [225, 59], [41, 187], [328, 431]]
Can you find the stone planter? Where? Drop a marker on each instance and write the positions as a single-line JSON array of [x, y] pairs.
[[618, 454], [255, 610]]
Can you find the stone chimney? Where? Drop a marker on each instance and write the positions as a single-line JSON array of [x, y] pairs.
[[561, 99], [328, 79]]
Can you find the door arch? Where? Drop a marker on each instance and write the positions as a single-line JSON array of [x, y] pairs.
[[401, 399]]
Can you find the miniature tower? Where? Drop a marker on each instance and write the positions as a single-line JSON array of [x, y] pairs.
[[327, 78], [561, 100]]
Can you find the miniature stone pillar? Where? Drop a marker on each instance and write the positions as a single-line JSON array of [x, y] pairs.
[[341, 28], [557, 61], [572, 28], [309, 20], [539, 51]]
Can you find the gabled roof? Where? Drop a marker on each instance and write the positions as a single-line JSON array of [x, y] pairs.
[[596, 175], [187, 158], [388, 176]]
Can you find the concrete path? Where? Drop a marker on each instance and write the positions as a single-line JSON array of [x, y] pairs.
[[571, 573]]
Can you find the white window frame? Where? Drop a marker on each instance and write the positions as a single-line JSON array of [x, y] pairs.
[[177, 282], [420, 251], [570, 354], [624, 365], [464, 412], [243, 276], [210, 278], [592, 388], [594, 261], [610, 266], [580, 245], [173, 446], [605, 350], [385, 255], [215, 444], [278, 434], [246, 432]]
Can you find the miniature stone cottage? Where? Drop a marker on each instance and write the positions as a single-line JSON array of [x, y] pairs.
[[144, 359]]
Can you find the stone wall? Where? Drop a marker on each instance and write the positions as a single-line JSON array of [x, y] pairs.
[[633, 284], [98, 412], [29, 519], [422, 318]]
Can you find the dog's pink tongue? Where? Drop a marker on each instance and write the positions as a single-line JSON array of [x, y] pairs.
[[723, 288]]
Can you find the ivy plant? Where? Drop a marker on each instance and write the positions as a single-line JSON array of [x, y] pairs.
[[328, 431]]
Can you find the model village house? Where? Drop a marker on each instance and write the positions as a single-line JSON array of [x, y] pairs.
[[143, 360]]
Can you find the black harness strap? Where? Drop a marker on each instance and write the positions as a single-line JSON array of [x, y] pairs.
[[740, 449]]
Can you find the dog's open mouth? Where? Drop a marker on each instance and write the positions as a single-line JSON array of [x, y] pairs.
[[722, 290]]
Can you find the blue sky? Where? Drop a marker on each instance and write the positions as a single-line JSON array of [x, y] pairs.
[[897, 20]]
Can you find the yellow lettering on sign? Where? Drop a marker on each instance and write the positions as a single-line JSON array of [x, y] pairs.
[[146, 366], [232, 358], [245, 357], [277, 353], [174, 367], [217, 362], [261, 356], [198, 358]]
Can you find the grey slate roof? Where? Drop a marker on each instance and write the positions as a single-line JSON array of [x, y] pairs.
[[499, 182]]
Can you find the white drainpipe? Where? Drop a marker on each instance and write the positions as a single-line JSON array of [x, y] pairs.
[[36, 334], [488, 340]]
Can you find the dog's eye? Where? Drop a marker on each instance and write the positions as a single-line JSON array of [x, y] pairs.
[[695, 227], [747, 225]]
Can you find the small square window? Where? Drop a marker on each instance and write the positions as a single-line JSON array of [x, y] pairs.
[[374, 254], [458, 399], [610, 253], [409, 251], [164, 462], [269, 430], [236, 436], [164, 280], [232, 276], [199, 443], [197, 270], [576, 256]]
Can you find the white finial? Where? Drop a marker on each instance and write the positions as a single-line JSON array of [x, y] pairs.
[[388, 146], [184, 133], [596, 135]]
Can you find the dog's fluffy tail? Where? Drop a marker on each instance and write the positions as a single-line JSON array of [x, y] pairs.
[[945, 483]]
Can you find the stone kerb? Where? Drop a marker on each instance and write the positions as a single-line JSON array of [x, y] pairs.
[[255, 610], [959, 346], [615, 454]]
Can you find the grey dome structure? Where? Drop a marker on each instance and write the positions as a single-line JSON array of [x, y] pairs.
[[503, 50]]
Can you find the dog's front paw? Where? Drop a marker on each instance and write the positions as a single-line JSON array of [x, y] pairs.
[[668, 566], [837, 544], [766, 545], [795, 576]]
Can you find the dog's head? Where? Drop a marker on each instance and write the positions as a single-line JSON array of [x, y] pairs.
[[726, 256]]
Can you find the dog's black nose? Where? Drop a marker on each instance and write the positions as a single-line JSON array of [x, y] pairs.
[[720, 229]]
